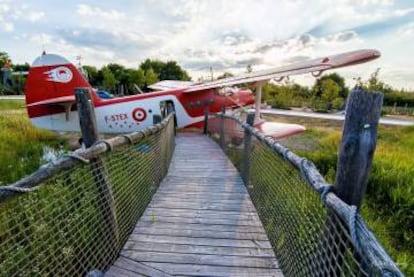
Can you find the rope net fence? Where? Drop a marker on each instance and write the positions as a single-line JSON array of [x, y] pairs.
[[312, 231], [60, 222]]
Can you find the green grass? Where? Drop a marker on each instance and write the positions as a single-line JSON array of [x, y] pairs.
[[388, 206], [21, 144], [11, 105]]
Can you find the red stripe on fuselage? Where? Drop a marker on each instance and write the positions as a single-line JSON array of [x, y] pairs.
[[193, 103]]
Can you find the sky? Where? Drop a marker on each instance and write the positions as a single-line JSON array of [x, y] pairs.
[[223, 35]]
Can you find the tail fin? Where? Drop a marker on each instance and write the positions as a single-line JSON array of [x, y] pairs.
[[50, 87]]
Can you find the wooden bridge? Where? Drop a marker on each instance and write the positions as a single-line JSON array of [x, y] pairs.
[[124, 207], [200, 222]]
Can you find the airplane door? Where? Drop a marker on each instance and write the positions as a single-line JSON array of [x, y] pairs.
[[167, 107]]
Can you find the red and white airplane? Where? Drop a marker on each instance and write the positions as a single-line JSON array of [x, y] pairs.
[[51, 102]]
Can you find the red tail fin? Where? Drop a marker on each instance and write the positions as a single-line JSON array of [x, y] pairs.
[[50, 85]]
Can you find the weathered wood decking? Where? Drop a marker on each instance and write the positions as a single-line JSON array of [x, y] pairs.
[[201, 222]]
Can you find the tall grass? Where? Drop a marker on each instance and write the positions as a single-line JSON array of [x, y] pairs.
[[388, 207], [21, 145]]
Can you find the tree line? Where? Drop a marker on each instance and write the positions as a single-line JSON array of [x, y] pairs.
[[114, 78], [330, 92]]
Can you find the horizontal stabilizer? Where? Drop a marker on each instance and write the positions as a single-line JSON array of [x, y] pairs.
[[55, 101]]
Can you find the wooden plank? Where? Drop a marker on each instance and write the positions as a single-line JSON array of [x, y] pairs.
[[210, 186], [207, 198], [199, 233], [206, 227], [200, 220], [215, 195], [198, 249], [135, 268], [207, 270], [201, 241], [236, 215], [201, 259], [245, 207], [200, 189]]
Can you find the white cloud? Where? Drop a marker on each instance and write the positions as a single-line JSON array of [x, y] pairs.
[[86, 10], [35, 16], [8, 26], [13, 13]]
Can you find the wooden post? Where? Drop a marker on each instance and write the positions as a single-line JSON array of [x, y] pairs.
[[222, 136], [205, 118], [359, 139], [247, 149], [87, 119], [89, 131], [357, 148]]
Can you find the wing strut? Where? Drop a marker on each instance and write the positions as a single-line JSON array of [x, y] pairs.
[[258, 103]]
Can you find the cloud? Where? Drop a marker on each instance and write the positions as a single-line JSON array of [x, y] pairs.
[[86, 10], [99, 38], [8, 26], [11, 14], [221, 34], [343, 36], [35, 16], [298, 58]]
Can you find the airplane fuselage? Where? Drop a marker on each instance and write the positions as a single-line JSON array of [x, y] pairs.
[[132, 113]]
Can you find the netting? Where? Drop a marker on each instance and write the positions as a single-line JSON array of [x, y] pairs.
[[74, 221], [312, 232]]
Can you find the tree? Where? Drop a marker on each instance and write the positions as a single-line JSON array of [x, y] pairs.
[[375, 84], [165, 71], [330, 92], [338, 79], [109, 81], [172, 71], [136, 77], [150, 77], [93, 75], [21, 67], [3, 58]]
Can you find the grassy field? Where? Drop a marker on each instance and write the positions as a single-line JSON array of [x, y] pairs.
[[388, 207], [21, 144]]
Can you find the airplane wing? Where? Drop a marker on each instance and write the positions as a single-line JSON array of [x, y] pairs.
[[315, 66], [170, 84]]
